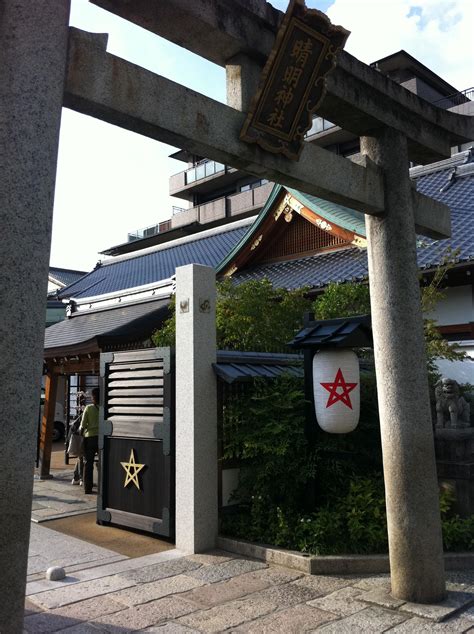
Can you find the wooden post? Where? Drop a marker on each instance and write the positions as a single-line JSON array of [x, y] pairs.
[[47, 424]]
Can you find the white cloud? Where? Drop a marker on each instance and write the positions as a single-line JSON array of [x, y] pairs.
[[437, 32]]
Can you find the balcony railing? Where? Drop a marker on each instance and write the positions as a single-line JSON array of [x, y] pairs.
[[203, 170], [147, 232], [456, 99], [226, 206]]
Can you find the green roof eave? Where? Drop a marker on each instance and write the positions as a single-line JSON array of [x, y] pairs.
[[343, 217], [251, 230]]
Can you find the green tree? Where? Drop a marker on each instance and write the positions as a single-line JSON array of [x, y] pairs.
[[252, 316], [342, 300], [349, 299]]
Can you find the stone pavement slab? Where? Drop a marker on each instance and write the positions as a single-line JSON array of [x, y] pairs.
[[220, 572], [300, 618], [238, 587], [56, 498], [170, 628], [71, 615], [370, 582], [341, 602], [287, 595], [142, 616], [89, 573], [82, 628], [416, 624], [324, 585], [211, 558], [229, 615], [72, 593], [169, 592], [146, 592], [382, 597], [161, 570], [452, 604], [372, 620]]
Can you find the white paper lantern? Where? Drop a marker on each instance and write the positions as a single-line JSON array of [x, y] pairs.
[[336, 388]]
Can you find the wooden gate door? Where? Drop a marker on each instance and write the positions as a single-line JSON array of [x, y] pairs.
[[136, 440]]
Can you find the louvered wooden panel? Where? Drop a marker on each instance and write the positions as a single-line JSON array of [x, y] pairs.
[[138, 418], [135, 388], [300, 236]]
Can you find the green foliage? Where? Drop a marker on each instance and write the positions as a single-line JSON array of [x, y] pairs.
[[264, 429], [346, 300], [321, 497], [256, 316], [342, 300], [354, 523], [251, 316], [165, 337], [458, 532], [436, 345]]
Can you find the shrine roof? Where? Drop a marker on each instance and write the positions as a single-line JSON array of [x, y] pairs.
[[450, 181], [65, 277], [157, 263], [87, 331]]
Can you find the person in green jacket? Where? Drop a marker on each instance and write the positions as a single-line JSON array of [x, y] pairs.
[[90, 430]]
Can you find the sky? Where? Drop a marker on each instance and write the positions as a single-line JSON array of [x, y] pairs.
[[111, 181]]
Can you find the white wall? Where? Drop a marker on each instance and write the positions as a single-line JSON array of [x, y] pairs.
[[457, 306]]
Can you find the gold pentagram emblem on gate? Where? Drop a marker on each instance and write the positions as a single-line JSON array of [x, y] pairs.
[[132, 469]]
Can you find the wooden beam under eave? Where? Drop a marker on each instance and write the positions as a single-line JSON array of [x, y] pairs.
[[47, 426], [83, 366]]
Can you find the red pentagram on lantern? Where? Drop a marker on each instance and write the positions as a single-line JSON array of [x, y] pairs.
[[334, 395]]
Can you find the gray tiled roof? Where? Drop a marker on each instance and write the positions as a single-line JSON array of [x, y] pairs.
[[154, 266], [451, 182], [66, 276], [233, 366], [137, 320], [453, 185]]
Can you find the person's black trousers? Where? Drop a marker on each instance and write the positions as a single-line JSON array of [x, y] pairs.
[[91, 448]]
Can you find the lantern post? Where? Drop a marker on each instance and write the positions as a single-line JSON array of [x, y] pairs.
[[332, 376]]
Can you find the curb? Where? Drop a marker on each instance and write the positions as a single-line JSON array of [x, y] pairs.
[[330, 564]]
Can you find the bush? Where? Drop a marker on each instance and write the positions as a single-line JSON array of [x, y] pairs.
[[353, 523]]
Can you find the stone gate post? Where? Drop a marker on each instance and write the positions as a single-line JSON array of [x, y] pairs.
[[196, 409], [33, 50], [414, 526]]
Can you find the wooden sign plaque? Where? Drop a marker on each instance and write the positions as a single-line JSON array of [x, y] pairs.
[[293, 80]]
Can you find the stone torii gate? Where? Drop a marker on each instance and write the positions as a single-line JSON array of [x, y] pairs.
[[45, 65]]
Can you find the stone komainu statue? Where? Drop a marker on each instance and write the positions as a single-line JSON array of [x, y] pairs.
[[452, 409]]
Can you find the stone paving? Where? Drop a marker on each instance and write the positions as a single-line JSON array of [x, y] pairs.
[[167, 592], [57, 498]]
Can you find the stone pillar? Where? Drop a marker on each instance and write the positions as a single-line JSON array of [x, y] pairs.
[[414, 526], [242, 77], [33, 49], [196, 409]]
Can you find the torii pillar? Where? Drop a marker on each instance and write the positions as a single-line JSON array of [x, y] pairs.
[[33, 53], [411, 486]]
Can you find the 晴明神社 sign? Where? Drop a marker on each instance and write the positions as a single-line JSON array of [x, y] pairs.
[[293, 80]]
